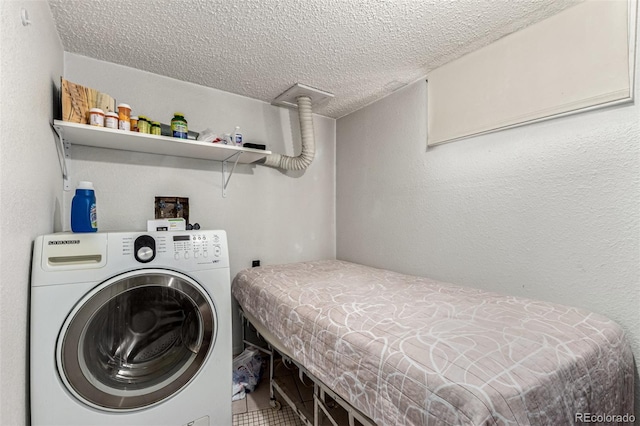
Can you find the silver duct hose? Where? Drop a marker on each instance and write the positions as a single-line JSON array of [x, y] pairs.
[[305, 158]]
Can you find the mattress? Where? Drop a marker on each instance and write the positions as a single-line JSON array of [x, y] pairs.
[[408, 350]]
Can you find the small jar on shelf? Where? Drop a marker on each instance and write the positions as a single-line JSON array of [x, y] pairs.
[[156, 128], [179, 127], [144, 126]]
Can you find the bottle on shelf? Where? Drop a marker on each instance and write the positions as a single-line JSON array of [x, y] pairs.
[[156, 129], [96, 117], [237, 136], [144, 125], [84, 216], [124, 117], [111, 120], [179, 127]]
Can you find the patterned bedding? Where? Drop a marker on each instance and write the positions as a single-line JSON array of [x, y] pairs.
[[408, 350]]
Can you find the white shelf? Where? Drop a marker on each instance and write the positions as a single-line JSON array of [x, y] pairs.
[[102, 137]]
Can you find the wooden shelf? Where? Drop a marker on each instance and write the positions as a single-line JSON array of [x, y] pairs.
[[101, 137]]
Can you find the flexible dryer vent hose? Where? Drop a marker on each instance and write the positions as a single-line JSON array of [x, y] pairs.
[[305, 158]]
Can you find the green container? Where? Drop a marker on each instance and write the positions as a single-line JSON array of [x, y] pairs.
[[179, 126]]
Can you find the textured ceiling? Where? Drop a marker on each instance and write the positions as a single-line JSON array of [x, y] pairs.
[[359, 50]]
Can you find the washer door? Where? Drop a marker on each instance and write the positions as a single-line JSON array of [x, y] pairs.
[[136, 339]]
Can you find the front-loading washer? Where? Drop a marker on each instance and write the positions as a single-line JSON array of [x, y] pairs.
[[131, 328]]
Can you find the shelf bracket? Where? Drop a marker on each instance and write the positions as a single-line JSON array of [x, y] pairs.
[[64, 152], [225, 178]]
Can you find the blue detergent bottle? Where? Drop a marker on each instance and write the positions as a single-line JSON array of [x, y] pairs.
[[83, 209]]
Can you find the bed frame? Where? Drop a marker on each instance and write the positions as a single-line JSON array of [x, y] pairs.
[[323, 396], [392, 349]]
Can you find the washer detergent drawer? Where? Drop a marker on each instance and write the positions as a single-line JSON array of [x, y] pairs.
[[136, 339], [69, 252]]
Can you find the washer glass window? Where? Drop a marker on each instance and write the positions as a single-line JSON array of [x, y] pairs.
[[136, 340]]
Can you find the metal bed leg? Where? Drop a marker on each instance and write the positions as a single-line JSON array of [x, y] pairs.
[[316, 414], [272, 395], [320, 402]]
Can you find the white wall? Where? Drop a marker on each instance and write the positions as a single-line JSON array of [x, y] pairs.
[[549, 211], [268, 214], [30, 181]]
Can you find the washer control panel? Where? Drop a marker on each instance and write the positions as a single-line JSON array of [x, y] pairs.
[[177, 247], [195, 246]]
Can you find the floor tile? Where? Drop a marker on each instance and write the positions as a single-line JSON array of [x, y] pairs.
[[240, 406], [259, 398], [268, 417]]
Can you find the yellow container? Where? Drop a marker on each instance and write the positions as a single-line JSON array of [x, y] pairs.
[[143, 124]]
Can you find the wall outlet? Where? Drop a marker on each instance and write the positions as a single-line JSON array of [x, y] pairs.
[[255, 263]]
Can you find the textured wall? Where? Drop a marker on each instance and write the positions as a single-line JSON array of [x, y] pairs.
[[30, 181], [268, 214], [549, 211]]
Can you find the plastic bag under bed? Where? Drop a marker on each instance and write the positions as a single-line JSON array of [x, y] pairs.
[[247, 372]]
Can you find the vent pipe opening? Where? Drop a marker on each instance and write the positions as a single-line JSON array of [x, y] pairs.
[[304, 96]]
